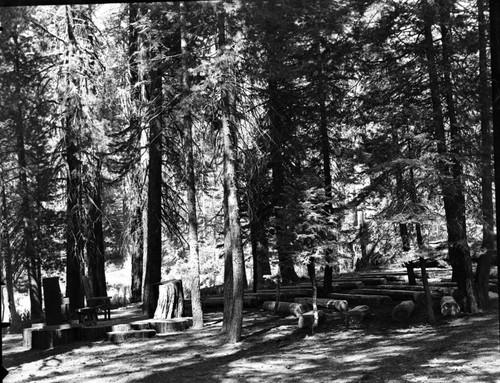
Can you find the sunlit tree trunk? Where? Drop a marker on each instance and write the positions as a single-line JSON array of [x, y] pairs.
[[137, 228], [194, 256], [6, 253], [229, 137], [75, 225]]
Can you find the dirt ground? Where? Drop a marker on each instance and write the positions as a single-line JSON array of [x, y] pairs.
[[460, 349]]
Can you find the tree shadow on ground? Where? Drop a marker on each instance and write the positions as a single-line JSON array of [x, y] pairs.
[[334, 354]]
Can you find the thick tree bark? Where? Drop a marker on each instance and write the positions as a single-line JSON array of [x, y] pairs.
[[74, 241], [152, 274], [450, 175], [260, 245], [278, 142], [75, 226], [137, 256], [95, 242], [29, 253], [228, 267], [194, 256], [484, 262]]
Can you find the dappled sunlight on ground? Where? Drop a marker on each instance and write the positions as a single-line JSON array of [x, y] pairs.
[[463, 349]]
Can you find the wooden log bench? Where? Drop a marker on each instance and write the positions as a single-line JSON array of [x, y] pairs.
[[362, 299], [397, 295]]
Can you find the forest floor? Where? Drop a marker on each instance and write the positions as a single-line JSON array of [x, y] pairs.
[[461, 349]]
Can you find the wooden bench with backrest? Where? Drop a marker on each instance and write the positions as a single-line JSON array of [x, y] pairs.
[[95, 305]]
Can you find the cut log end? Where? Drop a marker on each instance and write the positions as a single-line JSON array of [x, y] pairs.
[[449, 306]]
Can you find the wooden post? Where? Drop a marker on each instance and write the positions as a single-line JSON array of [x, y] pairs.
[[411, 275], [428, 296], [170, 300]]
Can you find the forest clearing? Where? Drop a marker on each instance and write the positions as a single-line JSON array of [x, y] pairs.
[[250, 190], [461, 349]]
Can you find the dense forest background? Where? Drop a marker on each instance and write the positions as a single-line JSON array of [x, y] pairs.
[[226, 142]]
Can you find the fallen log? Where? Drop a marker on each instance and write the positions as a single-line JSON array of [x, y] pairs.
[[362, 299], [449, 306], [337, 304], [286, 308], [355, 316], [416, 296], [402, 312]]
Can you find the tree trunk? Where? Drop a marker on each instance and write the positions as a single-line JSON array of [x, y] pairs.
[[95, 242], [278, 141], [7, 258], [152, 273], [455, 206], [229, 136], [29, 252], [484, 262], [450, 176], [194, 256], [75, 226], [405, 237], [260, 249], [311, 270], [364, 237], [495, 93], [228, 267], [327, 168], [137, 228], [137, 256]]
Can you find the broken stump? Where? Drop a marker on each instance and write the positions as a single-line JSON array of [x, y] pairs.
[[170, 300]]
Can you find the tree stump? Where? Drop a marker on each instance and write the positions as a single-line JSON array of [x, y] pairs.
[[170, 300]]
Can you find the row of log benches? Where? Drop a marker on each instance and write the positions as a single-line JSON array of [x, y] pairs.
[[354, 295]]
